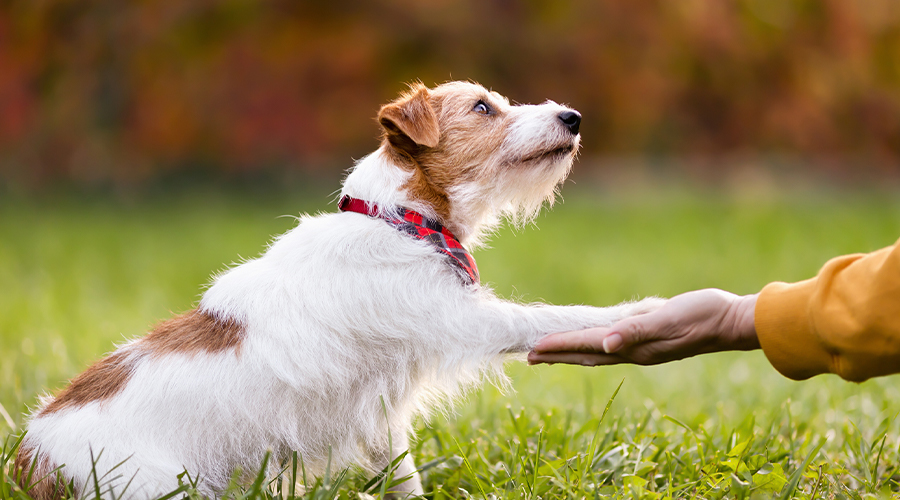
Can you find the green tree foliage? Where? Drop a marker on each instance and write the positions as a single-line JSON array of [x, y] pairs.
[[109, 91]]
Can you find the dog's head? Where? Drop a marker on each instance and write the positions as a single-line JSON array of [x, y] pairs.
[[472, 157]]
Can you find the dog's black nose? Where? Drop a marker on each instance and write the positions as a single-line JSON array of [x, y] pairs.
[[572, 120]]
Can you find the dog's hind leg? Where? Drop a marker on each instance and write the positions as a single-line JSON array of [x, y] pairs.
[[410, 488], [407, 467]]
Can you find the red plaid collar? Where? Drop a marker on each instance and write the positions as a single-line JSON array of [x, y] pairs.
[[422, 228]]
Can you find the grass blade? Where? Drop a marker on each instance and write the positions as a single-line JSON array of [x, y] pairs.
[[795, 477]]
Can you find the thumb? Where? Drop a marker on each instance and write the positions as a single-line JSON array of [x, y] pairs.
[[632, 331]]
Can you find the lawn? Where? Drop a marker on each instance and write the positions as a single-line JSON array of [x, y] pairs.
[[78, 275]]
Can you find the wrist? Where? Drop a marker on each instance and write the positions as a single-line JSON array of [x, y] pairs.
[[743, 327]]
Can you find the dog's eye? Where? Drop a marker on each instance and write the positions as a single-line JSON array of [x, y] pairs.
[[482, 108]]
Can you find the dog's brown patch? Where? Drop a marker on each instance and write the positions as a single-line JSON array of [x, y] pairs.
[[193, 332], [422, 187], [411, 128], [43, 481], [409, 122], [102, 380], [436, 135]]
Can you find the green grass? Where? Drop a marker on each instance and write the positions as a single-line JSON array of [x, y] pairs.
[[77, 276]]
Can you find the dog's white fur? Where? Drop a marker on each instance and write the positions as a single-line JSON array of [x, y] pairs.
[[340, 314]]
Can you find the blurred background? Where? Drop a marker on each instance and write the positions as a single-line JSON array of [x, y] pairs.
[[147, 144], [111, 94]]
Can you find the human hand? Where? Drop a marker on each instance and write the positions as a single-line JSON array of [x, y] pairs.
[[692, 323]]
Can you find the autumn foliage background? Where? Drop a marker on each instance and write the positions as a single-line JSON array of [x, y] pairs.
[[124, 93]]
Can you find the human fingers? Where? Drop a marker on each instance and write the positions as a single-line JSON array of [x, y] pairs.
[[627, 332], [588, 340], [575, 358], [690, 317], [637, 330]]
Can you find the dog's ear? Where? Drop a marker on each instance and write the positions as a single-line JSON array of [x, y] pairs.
[[409, 122]]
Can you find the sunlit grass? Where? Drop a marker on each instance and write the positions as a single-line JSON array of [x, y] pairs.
[[78, 276]]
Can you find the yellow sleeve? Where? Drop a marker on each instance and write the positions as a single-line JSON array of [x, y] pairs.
[[846, 320]]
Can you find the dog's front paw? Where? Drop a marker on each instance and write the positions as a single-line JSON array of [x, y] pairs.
[[524, 348], [645, 306]]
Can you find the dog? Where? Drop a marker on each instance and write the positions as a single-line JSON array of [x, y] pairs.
[[347, 326]]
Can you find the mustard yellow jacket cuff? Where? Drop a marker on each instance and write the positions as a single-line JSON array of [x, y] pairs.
[[846, 320]]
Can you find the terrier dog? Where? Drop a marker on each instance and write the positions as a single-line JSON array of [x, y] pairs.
[[343, 330]]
